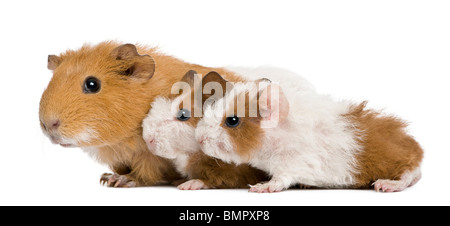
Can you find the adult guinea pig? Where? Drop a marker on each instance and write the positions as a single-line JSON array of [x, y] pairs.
[[308, 138], [97, 99]]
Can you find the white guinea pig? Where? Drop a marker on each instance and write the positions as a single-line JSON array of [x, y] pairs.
[[303, 137], [168, 131]]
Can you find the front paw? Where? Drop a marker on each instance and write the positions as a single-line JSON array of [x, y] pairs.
[[116, 181], [268, 187], [194, 184]]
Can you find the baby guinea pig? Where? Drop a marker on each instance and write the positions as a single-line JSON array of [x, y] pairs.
[[168, 131], [303, 137]]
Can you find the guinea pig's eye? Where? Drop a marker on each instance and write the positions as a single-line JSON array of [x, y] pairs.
[[232, 121], [183, 115], [91, 85]]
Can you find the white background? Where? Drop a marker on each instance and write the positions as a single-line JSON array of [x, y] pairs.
[[396, 54]]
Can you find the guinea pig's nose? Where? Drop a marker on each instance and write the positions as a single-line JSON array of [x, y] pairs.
[[202, 139], [55, 124], [151, 141], [52, 124]]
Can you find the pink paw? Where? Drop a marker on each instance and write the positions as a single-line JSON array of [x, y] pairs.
[[194, 184], [117, 181], [389, 185], [268, 187]]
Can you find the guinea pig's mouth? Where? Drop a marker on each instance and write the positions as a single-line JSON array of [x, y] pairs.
[[59, 140]]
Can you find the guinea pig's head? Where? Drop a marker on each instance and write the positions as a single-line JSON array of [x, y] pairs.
[[97, 95], [234, 128], [168, 129]]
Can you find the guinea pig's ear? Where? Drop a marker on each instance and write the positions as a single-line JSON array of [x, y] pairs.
[[214, 77], [263, 80], [139, 66], [53, 62], [190, 77], [212, 91], [273, 106]]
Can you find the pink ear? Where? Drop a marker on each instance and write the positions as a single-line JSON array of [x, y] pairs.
[[273, 106], [53, 62]]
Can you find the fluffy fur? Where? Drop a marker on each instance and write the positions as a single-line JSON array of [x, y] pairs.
[[321, 142], [107, 124], [170, 138], [389, 152]]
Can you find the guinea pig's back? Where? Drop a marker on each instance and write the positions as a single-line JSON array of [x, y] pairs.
[[285, 78], [388, 151]]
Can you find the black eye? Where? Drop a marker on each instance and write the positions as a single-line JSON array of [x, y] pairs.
[[232, 121], [183, 115], [91, 85]]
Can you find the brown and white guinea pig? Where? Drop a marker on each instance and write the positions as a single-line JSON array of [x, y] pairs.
[[169, 132], [307, 138], [97, 99]]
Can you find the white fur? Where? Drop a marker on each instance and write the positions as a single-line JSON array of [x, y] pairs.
[[91, 151], [56, 137], [214, 140], [289, 79], [315, 146], [408, 179], [173, 139], [86, 136]]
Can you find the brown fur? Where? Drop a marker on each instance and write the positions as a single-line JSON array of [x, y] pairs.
[[388, 151], [248, 135], [218, 174], [117, 111]]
